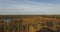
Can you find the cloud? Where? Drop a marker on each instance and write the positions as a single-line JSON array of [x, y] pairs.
[[30, 7], [11, 0]]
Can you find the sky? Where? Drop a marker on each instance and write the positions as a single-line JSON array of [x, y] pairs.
[[29, 7]]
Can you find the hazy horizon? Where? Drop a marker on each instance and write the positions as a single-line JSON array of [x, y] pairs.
[[28, 7]]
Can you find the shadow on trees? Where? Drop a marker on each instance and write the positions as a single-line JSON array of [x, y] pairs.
[[45, 30]]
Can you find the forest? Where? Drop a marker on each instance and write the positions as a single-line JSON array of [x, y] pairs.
[[29, 23]]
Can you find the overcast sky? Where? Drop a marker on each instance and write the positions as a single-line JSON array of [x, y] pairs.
[[29, 7]]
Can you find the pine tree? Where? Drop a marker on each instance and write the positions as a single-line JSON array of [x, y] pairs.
[[27, 28]]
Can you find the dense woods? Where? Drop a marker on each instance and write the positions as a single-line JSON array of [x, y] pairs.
[[26, 23]]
